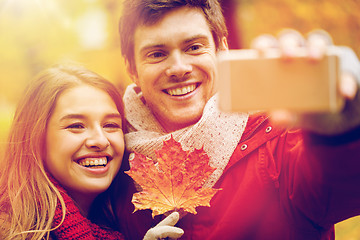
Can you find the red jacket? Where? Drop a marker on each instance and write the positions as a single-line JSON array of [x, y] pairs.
[[277, 185]]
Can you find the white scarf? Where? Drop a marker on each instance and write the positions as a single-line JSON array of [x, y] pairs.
[[219, 133]]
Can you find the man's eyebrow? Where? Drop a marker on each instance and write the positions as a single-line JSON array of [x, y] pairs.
[[196, 37], [151, 46], [188, 40]]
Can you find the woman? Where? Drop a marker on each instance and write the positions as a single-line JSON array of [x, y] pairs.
[[66, 146]]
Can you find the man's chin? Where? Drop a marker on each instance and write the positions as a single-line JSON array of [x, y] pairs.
[[180, 122]]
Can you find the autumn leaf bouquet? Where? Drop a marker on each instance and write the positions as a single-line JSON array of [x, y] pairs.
[[174, 182]]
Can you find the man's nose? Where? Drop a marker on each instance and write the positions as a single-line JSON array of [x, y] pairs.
[[179, 66], [97, 139]]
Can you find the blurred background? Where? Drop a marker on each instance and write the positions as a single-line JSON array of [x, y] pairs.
[[35, 34]]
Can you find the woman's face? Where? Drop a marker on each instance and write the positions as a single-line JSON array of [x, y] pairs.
[[84, 141]]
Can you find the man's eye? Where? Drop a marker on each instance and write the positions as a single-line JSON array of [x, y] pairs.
[[156, 55], [195, 48]]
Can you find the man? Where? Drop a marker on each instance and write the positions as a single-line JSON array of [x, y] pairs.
[[276, 183]]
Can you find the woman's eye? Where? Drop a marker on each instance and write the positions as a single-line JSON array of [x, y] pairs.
[[112, 125], [157, 55], [75, 126]]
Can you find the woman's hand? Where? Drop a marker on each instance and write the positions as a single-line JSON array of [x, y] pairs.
[[165, 229]]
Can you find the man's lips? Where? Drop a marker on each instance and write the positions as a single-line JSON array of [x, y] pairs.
[[183, 90]]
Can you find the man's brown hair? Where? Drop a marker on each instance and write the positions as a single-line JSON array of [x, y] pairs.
[[148, 12]]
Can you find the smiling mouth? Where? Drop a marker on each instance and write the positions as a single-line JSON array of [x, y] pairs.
[[93, 162], [181, 91]]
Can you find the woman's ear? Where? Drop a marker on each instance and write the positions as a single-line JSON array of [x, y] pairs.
[[131, 71]]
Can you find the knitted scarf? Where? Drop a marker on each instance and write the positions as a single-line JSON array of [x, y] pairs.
[[76, 226], [217, 132]]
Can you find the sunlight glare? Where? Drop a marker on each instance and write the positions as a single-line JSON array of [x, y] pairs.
[[91, 29]]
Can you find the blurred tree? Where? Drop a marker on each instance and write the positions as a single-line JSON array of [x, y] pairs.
[[230, 10], [340, 18], [35, 34]]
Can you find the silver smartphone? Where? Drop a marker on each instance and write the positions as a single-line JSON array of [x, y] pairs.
[[248, 81]]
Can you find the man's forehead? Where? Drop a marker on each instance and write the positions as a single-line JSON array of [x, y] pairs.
[[184, 24], [177, 17]]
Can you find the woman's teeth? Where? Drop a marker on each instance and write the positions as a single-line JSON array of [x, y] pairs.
[[182, 90], [93, 162]]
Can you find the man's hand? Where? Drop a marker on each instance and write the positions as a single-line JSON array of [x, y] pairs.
[[165, 229], [291, 43]]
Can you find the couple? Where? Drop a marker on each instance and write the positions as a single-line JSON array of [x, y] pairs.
[[277, 182]]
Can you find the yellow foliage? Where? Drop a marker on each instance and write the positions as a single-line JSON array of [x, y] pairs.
[[339, 18], [35, 34]]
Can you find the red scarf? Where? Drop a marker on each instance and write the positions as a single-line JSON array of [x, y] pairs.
[[75, 225]]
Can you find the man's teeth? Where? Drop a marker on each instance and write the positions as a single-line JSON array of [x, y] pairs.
[[93, 162], [182, 90]]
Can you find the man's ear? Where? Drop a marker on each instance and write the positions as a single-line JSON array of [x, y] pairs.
[[224, 44], [131, 71]]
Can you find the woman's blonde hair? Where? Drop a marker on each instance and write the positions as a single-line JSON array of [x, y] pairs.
[[28, 198]]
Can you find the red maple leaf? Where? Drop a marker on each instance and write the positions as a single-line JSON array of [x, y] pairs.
[[175, 182]]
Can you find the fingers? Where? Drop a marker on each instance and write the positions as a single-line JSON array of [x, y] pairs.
[[165, 229], [292, 43], [283, 118], [169, 232], [163, 232], [317, 43], [264, 43], [348, 86], [170, 220]]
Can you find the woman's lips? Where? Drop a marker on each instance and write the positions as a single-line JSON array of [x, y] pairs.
[[93, 162]]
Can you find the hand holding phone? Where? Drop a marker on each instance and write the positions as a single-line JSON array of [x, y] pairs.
[[249, 81]]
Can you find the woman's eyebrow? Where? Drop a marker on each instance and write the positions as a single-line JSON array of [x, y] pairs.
[[113, 115], [80, 116], [72, 116]]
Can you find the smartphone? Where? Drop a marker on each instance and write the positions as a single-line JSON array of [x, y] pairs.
[[248, 81]]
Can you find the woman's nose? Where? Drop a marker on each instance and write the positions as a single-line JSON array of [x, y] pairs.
[[178, 66], [97, 139]]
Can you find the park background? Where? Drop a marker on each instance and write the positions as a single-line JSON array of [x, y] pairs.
[[35, 34]]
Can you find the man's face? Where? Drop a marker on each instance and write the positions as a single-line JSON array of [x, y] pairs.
[[176, 66]]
